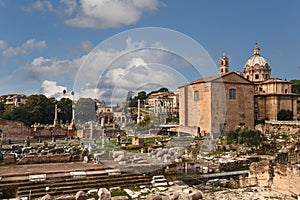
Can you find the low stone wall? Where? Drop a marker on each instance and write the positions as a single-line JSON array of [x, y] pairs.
[[35, 159], [48, 133]]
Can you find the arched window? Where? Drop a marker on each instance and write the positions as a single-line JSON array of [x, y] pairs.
[[232, 93], [196, 95]]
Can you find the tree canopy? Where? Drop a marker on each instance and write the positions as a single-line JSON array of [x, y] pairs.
[[85, 110], [39, 109], [296, 86]]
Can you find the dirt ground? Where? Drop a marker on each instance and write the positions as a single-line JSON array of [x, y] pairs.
[[15, 170]]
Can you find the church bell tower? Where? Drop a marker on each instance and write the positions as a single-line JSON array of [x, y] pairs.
[[224, 64]]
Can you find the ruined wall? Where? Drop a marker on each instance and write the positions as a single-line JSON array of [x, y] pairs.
[[286, 179], [50, 132], [14, 130], [279, 127], [18, 131], [262, 171]]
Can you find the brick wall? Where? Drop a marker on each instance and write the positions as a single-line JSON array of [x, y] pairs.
[[15, 130]]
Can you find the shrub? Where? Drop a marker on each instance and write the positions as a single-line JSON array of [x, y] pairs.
[[285, 115], [245, 136]]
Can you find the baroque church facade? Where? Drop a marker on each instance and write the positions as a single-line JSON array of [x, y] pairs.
[[222, 102]]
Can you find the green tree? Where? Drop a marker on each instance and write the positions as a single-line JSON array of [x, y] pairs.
[[141, 95], [296, 86], [2, 109], [65, 110], [41, 109], [145, 122], [163, 89], [285, 115], [85, 110], [37, 109]]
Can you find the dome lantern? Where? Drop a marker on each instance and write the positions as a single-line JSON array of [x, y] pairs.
[[256, 50], [257, 68]]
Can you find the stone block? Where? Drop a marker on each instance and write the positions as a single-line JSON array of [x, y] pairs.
[[80, 195], [104, 194], [65, 198], [120, 198], [46, 197], [154, 197], [174, 196], [196, 195]]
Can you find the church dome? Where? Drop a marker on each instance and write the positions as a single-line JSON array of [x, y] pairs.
[[256, 59], [257, 68]]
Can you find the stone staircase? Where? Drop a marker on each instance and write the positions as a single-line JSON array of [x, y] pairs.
[[66, 183]]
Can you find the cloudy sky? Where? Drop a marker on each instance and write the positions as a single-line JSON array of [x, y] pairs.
[[101, 48]]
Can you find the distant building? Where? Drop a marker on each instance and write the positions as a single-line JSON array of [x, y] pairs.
[[249, 95], [164, 102], [14, 99], [111, 115]]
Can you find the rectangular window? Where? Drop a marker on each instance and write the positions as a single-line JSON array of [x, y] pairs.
[[232, 94], [256, 76], [196, 95]]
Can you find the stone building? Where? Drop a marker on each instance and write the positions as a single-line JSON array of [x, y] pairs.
[[222, 102], [271, 94], [14, 99], [114, 116], [166, 102], [216, 104]]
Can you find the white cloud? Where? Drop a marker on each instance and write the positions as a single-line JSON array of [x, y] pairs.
[[98, 14], [86, 46], [68, 6], [44, 68], [137, 73], [3, 45], [103, 14], [51, 89], [106, 72], [23, 50], [42, 5]]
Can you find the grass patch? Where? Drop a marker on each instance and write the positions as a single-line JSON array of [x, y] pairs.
[[118, 193]]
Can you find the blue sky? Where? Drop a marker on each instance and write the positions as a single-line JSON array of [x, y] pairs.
[[44, 43]]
